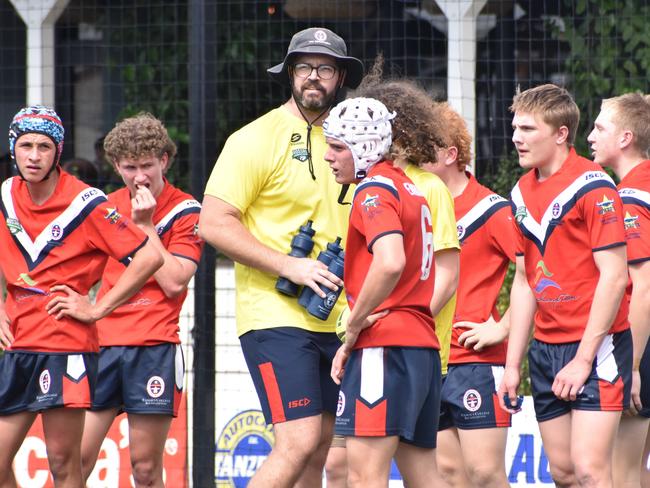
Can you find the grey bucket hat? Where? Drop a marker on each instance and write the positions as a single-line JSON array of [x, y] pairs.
[[319, 40]]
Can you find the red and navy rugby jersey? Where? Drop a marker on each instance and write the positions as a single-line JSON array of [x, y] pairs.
[[562, 221], [487, 238], [149, 317], [387, 202], [64, 241]]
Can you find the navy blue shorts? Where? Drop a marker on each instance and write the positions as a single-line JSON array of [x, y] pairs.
[[140, 379], [469, 397], [391, 391], [291, 368], [644, 369], [607, 388], [32, 382]]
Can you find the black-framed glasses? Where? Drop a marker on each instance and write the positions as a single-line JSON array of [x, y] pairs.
[[324, 71]]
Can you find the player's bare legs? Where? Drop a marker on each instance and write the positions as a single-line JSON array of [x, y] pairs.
[[96, 427], [449, 457], [63, 429], [13, 429], [628, 451], [336, 467], [312, 474], [418, 466], [295, 442], [483, 455], [369, 460], [556, 436], [147, 436], [645, 465], [592, 444]]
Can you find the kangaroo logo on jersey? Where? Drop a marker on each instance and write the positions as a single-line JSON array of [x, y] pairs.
[[112, 215], [45, 381], [14, 226], [371, 201], [631, 221], [606, 206], [155, 386]]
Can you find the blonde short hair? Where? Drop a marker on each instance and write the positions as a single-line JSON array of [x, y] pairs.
[[555, 105], [633, 114]]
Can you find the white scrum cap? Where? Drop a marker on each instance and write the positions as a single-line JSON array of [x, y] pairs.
[[363, 124]]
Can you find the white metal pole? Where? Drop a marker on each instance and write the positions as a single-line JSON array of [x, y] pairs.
[[461, 58], [40, 17]]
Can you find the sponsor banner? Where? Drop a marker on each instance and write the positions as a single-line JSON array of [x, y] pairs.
[[113, 468]]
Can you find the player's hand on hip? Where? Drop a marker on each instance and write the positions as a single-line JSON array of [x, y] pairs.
[[311, 273], [635, 395], [143, 205], [71, 304], [508, 388], [481, 334], [6, 337], [570, 379], [339, 362]]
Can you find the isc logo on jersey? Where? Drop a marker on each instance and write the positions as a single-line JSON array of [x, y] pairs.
[[243, 445]]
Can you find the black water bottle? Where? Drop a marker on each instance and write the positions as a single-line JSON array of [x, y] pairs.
[[325, 256], [301, 245], [322, 307]]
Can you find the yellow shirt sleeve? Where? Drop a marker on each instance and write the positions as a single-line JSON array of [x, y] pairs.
[[239, 173]]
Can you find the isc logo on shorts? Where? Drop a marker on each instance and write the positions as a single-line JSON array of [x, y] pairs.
[[472, 400], [155, 386], [44, 381]]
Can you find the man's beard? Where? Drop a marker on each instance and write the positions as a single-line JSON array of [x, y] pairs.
[[313, 104]]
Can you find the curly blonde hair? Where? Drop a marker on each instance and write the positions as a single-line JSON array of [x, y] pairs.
[[417, 132], [139, 136], [456, 133]]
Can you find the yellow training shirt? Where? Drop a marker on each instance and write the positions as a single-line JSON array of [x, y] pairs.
[[445, 236], [263, 171]]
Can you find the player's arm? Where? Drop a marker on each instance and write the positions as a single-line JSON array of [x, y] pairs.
[[220, 226], [522, 312], [176, 272], [640, 322], [388, 261], [447, 269], [6, 337], [484, 334], [146, 260], [612, 265]]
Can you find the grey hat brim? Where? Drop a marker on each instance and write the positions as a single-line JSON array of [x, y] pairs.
[[353, 66]]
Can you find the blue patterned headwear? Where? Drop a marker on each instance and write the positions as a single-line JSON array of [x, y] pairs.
[[37, 119]]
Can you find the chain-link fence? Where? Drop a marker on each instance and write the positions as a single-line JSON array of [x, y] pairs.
[[200, 66]]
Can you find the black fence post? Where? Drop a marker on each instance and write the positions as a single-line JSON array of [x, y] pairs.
[[203, 127]]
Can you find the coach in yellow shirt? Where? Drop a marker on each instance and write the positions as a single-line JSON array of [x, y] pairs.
[[270, 179]]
